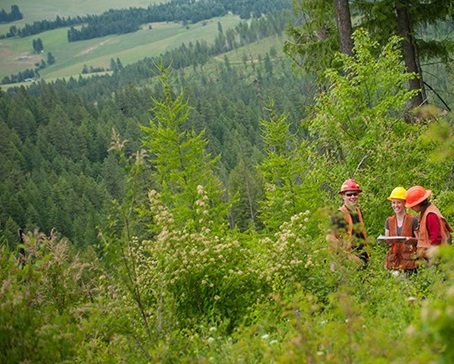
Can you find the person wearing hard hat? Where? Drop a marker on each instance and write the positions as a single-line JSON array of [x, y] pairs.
[[401, 255], [348, 230], [434, 230]]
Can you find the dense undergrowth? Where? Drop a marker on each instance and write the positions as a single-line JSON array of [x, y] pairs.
[[193, 296]]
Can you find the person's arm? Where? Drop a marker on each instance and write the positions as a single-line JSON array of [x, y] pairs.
[[415, 226], [389, 242], [433, 228]]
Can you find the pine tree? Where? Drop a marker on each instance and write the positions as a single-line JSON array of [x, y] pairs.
[[317, 35]]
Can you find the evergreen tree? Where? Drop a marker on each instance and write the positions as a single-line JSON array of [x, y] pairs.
[[182, 168], [50, 59], [113, 65], [313, 36], [119, 64], [15, 13], [317, 35], [285, 172]]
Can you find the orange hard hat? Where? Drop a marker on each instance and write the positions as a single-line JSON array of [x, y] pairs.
[[350, 185], [415, 195]]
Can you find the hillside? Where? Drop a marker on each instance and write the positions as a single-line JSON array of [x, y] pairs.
[[65, 46], [50, 9], [175, 208], [17, 54], [151, 40]]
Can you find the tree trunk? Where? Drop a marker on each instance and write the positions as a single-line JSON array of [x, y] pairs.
[[344, 26], [409, 52]]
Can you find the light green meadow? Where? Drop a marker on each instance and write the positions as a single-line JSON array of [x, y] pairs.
[[16, 54]]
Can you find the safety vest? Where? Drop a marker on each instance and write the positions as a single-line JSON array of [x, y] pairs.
[[423, 235], [349, 220], [401, 255]]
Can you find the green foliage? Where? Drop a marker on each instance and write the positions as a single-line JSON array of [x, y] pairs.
[[175, 284], [314, 37], [179, 159], [363, 102], [436, 316], [42, 299], [359, 130], [204, 271], [291, 260], [285, 172]]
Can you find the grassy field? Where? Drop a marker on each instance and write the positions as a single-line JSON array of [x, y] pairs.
[[34, 10], [16, 54]]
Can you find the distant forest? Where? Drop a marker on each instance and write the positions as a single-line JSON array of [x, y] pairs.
[[122, 21], [56, 171]]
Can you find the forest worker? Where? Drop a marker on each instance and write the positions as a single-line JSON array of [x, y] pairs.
[[348, 230], [433, 227], [401, 255]]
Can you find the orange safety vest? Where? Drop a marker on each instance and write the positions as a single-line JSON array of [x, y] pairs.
[[401, 255], [423, 235], [349, 220]]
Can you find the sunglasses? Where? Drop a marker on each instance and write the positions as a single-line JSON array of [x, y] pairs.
[[350, 194]]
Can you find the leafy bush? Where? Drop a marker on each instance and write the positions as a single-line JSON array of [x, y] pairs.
[[40, 300]]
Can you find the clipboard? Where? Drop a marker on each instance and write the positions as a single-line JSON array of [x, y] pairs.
[[384, 237]]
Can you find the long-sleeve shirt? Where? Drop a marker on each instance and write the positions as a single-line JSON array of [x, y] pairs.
[[433, 228]]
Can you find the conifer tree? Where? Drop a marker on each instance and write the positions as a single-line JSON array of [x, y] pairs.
[[180, 162], [316, 35], [284, 170]]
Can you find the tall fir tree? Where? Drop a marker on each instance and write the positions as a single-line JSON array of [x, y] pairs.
[[179, 159]]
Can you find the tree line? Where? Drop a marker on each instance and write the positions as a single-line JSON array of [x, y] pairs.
[[14, 15], [121, 21], [193, 54]]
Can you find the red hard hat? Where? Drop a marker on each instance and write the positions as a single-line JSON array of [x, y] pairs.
[[350, 185], [415, 195]]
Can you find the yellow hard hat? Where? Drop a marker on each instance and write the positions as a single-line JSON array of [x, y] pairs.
[[398, 194]]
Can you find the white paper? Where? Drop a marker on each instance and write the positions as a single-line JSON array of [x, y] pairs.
[[384, 237]]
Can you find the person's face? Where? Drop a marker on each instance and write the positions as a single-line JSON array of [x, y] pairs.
[[398, 206], [417, 208], [350, 198]]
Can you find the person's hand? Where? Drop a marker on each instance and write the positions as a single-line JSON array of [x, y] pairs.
[[410, 240]]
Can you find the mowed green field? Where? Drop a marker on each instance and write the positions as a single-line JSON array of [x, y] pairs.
[[16, 54]]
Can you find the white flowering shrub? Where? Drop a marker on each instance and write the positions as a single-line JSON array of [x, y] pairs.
[[293, 259], [203, 273]]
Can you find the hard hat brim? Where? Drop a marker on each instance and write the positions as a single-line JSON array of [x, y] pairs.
[[395, 198], [351, 190]]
